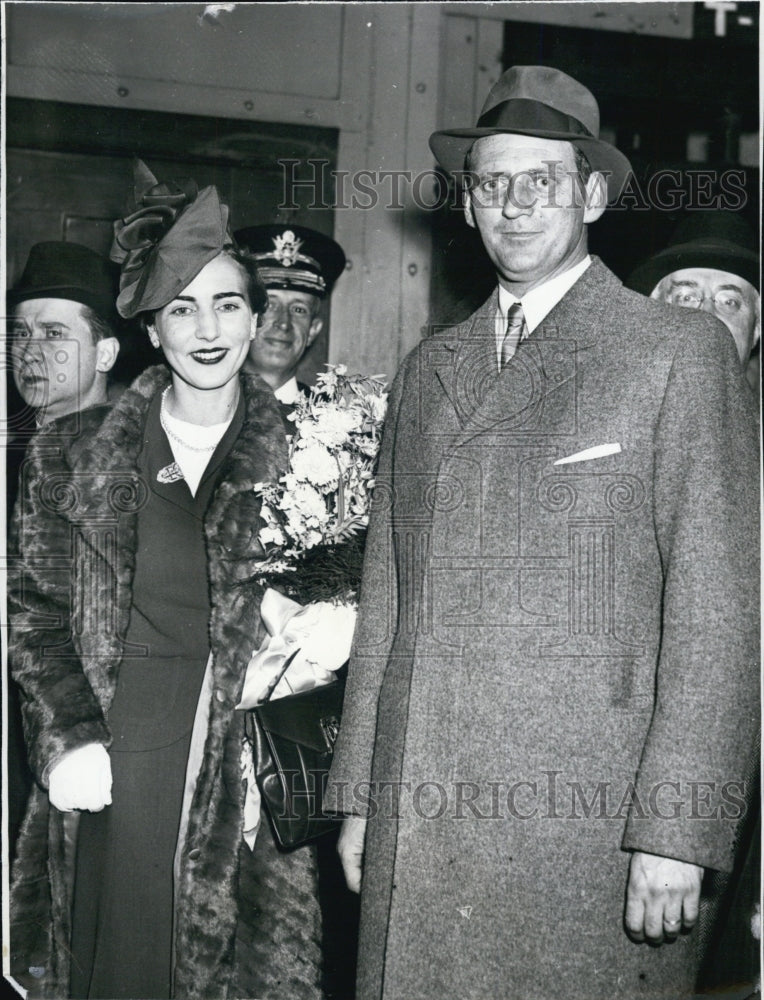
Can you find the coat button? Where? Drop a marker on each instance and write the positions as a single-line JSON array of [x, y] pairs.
[[194, 853], [221, 696]]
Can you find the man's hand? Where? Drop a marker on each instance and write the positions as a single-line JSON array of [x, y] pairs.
[[81, 780], [350, 849], [662, 897]]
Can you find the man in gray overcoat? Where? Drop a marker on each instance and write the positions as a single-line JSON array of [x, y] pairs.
[[553, 693]]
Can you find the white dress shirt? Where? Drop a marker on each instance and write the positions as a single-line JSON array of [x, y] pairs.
[[288, 393], [537, 303]]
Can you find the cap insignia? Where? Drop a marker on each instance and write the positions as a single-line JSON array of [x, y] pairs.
[[287, 247]]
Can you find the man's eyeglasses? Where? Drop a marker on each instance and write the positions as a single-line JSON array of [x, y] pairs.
[[725, 303]]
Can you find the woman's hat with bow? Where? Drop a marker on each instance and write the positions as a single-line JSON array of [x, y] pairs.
[[538, 101], [173, 231]]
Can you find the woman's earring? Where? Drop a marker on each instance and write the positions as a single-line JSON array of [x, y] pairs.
[[154, 339]]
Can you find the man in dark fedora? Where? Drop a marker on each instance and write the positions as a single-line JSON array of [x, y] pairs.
[[711, 262], [298, 266], [553, 691], [62, 346], [62, 340]]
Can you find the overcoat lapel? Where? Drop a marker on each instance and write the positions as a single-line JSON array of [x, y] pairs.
[[537, 381], [464, 364]]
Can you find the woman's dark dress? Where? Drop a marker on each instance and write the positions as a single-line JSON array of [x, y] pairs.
[[123, 898]]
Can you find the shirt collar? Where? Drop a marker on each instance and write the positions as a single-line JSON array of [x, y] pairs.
[[289, 392], [540, 301]]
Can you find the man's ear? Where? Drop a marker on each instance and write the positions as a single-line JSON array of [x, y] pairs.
[[469, 215], [596, 197], [315, 328], [106, 354]]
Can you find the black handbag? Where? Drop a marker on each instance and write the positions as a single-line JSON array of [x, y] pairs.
[[292, 744]]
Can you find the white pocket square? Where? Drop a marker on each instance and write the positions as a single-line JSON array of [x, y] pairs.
[[598, 451]]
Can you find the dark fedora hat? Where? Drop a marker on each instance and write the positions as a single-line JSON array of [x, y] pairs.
[[539, 101], [718, 239], [59, 270], [293, 257]]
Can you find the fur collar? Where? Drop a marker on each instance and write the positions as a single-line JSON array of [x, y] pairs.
[[110, 492], [105, 496]]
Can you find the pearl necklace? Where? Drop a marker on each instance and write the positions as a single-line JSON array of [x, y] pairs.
[[176, 437]]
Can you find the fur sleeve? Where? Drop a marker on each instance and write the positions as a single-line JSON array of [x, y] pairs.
[[60, 710]]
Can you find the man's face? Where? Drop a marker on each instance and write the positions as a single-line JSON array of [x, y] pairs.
[[287, 329], [56, 365], [731, 299], [530, 208]]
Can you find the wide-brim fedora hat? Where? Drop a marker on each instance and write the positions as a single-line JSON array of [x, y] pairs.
[[56, 269], [717, 239], [538, 101]]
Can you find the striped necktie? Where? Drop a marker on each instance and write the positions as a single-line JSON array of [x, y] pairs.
[[516, 330]]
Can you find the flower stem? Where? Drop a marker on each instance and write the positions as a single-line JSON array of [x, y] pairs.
[[340, 495]]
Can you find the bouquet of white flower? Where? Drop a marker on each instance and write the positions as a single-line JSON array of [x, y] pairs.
[[314, 529], [316, 515]]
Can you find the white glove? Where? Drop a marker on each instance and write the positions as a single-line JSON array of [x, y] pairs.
[[81, 780]]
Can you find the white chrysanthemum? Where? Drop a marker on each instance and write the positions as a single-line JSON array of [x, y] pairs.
[[312, 538], [334, 424], [345, 459], [305, 502], [272, 535], [368, 446], [314, 464]]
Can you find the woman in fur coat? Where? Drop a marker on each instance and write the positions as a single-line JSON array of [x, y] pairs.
[[134, 617]]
